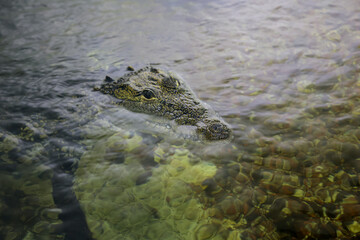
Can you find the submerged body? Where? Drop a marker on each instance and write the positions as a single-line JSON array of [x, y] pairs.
[[154, 91]]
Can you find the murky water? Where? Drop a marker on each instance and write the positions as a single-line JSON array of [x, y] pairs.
[[284, 74]]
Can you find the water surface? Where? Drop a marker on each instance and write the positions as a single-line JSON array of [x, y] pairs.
[[284, 74]]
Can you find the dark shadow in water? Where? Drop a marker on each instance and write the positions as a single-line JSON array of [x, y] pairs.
[[74, 222]]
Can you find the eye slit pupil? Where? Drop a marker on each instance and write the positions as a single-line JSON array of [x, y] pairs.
[[148, 94]]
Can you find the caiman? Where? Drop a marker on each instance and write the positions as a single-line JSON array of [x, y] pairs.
[[163, 93]]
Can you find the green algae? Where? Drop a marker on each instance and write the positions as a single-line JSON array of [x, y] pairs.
[[26, 194], [162, 206]]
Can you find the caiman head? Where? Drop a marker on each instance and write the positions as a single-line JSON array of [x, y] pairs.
[[163, 93]]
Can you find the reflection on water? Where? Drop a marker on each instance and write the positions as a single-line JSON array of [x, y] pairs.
[[284, 74]]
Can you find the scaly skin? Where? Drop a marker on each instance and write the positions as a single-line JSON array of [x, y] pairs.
[[154, 91]]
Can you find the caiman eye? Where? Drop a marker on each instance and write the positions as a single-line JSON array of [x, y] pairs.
[[148, 94]]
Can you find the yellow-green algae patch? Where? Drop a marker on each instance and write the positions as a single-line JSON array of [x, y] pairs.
[[163, 207]]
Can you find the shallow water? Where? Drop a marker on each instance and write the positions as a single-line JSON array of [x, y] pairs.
[[284, 74]]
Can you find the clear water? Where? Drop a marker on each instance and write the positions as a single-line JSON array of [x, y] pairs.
[[284, 74]]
